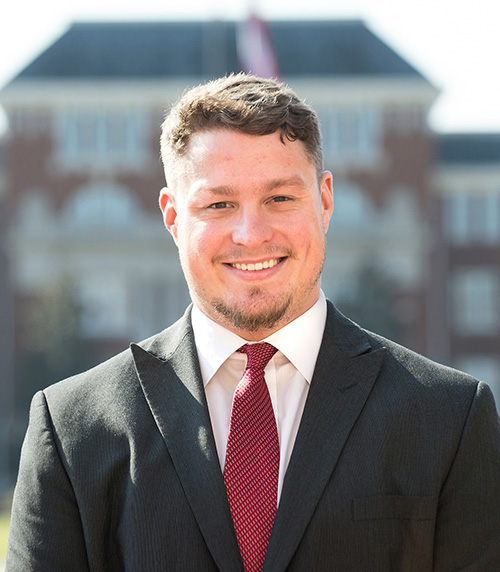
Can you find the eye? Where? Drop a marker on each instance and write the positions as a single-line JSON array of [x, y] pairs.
[[219, 205], [280, 199]]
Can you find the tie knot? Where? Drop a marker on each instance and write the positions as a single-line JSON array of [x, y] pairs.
[[258, 355]]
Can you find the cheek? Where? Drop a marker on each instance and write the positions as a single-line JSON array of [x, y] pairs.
[[196, 245], [310, 230], [314, 240]]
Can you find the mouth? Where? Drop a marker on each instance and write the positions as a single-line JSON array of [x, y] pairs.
[[257, 266]]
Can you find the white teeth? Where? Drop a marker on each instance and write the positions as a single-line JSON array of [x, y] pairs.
[[257, 266]]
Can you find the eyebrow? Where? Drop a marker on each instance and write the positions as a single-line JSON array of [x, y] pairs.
[[227, 191], [293, 181], [223, 190]]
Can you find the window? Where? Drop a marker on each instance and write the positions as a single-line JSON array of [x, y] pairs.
[[350, 134], [476, 301], [456, 218], [472, 217], [353, 209], [104, 136], [105, 208]]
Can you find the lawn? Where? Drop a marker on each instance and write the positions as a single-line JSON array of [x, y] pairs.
[[4, 530]]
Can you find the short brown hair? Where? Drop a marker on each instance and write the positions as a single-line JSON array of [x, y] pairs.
[[244, 103]]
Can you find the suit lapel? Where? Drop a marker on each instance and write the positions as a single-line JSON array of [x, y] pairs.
[[168, 369], [344, 375]]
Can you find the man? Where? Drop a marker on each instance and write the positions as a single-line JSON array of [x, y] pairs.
[[372, 458]]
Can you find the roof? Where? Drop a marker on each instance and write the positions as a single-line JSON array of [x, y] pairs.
[[468, 148], [208, 49]]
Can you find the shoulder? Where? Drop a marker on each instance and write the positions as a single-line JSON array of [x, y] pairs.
[[403, 361], [411, 388], [402, 368]]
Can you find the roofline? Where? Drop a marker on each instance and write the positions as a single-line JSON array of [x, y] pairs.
[[48, 92]]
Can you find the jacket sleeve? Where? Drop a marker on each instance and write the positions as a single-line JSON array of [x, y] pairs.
[[46, 532], [468, 523]]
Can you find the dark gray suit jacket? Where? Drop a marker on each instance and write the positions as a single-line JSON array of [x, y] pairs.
[[396, 467]]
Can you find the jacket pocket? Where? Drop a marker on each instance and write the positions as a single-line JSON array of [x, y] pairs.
[[394, 507]]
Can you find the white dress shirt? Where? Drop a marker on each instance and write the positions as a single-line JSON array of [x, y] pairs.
[[288, 374]]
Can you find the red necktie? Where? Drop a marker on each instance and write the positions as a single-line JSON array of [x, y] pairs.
[[252, 459]]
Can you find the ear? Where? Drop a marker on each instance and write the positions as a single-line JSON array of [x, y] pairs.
[[169, 211], [326, 188]]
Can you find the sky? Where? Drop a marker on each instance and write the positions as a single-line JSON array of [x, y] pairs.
[[454, 43]]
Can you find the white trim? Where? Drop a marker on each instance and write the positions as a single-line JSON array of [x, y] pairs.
[[319, 90]]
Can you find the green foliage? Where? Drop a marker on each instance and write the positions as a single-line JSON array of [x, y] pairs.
[[370, 301], [53, 347]]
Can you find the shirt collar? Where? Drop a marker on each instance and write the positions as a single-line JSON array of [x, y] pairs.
[[215, 344]]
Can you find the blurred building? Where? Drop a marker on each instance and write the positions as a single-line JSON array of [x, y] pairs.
[[84, 175], [85, 172], [464, 312], [6, 328]]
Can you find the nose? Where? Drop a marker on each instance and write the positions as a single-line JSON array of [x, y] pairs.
[[252, 228]]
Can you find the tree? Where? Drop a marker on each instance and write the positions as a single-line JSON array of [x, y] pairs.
[[51, 345], [370, 300]]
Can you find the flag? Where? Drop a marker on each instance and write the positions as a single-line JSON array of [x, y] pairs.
[[256, 48]]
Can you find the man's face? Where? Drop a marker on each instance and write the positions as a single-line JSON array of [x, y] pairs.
[[249, 220]]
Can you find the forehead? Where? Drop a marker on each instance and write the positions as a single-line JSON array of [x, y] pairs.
[[226, 157], [226, 149]]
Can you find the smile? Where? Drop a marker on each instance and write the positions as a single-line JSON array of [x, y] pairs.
[[258, 265]]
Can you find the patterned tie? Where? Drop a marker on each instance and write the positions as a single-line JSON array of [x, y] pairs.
[[252, 459]]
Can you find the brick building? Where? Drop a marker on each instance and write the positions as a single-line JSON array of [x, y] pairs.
[[84, 175], [465, 308], [6, 329]]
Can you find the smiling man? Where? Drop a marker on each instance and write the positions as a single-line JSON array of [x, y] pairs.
[[264, 430], [249, 216]]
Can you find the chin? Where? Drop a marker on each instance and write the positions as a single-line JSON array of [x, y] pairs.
[[253, 315]]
